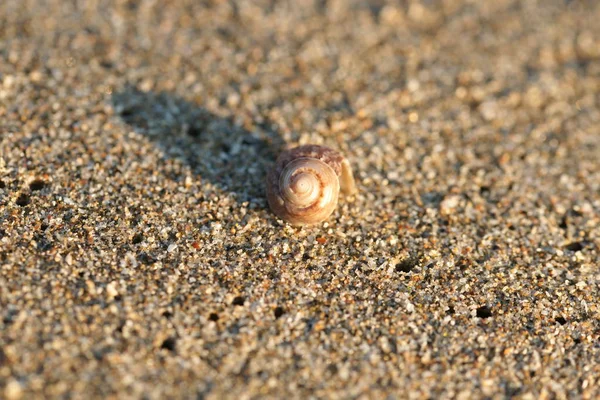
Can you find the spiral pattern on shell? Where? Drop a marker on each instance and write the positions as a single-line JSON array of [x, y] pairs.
[[303, 187]]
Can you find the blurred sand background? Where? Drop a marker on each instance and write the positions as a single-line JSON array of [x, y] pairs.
[[138, 258]]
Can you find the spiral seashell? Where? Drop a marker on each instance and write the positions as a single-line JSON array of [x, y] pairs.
[[304, 185]]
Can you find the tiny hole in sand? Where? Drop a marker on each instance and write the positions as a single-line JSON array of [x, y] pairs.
[[575, 246], [22, 200], [484, 312], [278, 311], [137, 239], [37, 184], [169, 344], [238, 301], [407, 264]]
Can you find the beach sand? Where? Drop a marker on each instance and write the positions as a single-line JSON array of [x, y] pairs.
[[138, 256]]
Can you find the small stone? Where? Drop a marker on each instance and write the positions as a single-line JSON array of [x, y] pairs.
[[449, 203], [111, 290], [13, 390]]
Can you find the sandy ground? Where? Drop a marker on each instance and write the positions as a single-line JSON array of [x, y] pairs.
[[138, 258]]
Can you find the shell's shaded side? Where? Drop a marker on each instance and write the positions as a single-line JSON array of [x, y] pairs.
[[327, 165], [329, 156]]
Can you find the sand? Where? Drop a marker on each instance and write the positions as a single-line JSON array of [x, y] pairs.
[[138, 256]]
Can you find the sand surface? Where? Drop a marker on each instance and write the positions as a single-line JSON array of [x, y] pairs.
[[138, 258]]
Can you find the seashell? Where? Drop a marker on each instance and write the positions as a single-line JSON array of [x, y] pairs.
[[304, 185]]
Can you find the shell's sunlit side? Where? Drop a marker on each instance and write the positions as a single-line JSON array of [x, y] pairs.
[[304, 185]]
